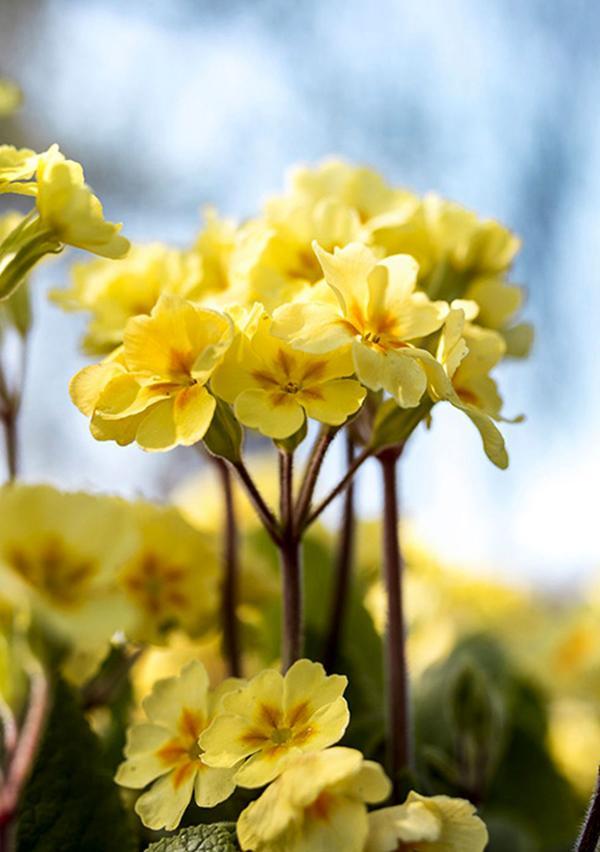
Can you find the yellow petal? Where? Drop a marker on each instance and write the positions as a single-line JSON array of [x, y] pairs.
[[333, 402], [193, 411], [371, 784], [156, 431], [346, 271], [312, 327], [306, 682], [327, 725], [143, 764], [87, 385], [274, 413], [168, 696], [213, 786], [223, 741], [163, 805]]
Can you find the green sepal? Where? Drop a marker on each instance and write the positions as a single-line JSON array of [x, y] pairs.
[[15, 312], [15, 266], [225, 436], [392, 425], [218, 837]]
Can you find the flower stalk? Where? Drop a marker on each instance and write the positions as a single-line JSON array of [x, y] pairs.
[[397, 717], [231, 570], [291, 565], [590, 833]]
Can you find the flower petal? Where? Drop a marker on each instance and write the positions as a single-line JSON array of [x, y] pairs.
[[193, 410], [275, 414], [333, 402]]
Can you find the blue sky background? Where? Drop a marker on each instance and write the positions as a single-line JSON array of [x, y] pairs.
[[171, 105]]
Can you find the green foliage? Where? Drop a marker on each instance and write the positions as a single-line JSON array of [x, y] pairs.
[[225, 435], [70, 802], [481, 734], [393, 425], [218, 837]]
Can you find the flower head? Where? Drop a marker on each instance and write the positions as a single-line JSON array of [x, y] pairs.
[[275, 718], [171, 580], [70, 211], [62, 552], [422, 824], [114, 292], [164, 752], [153, 390], [274, 388], [17, 166], [317, 803], [376, 310]]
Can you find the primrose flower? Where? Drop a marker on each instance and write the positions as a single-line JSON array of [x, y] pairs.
[[466, 354], [61, 552], [164, 752], [319, 802], [172, 579], [275, 718], [153, 389], [359, 188], [425, 824], [214, 248], [17, 166], [70, 211], [377, 311], [273, 387], [114, 292]]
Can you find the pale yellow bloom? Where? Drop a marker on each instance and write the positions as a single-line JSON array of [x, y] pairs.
[[172, 580], [273, 387], [377, 311], [113, 292], [466, 354], [153, 390], [274, 719], [357, 187], [214, 248], [422, 824], [164, 752], [17, 166], [319, 803], [61, 552], [11, 97], [69, 210]]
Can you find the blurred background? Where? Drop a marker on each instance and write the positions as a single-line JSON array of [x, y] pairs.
[[174, 104]]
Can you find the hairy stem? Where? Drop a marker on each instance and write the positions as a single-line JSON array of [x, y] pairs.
[[398, 739], [231, 570], [291, 565], [342, 484], [590, 833], [313, 467], [9, 424], [267, 517], [343, 570]]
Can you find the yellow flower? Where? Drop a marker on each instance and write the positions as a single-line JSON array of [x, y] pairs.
[[377, 310], [172, 579], [215, 248], [319, 803], [61, 552], [17, 165], [360, 188], [70, 211], [275, 718], [466, 354], [114, 292], [11, 97], [152, 391], [165, 753], [274, 388], [422, 824]]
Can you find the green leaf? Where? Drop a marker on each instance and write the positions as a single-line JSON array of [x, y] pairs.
[[225, 435], [219, 837], [393, 425], [70, 801]]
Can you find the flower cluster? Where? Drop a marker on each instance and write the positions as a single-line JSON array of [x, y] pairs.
[[279, 731], [344, 290]]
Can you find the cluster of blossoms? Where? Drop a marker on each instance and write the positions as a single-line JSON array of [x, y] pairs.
[[279, 731], [343, 292]]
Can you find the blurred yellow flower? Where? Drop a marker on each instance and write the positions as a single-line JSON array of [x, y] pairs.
[[318, 803], [70, 211], [165, 753], [172, 580], [113, 292], [153, 390], [11, 97], [61, 551], [274, 388], [377, 310], [214, 249], [17, 166], [425, 824], [275, 718]]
